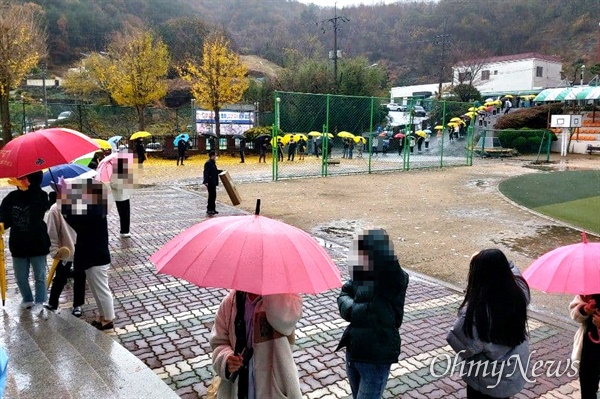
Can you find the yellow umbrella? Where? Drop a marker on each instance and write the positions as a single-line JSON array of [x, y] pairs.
[[452, 124], [275, 139], [299, 136], [345, 135], [508, 96], [314, 134], [140, 135], [438, 127], [456, 119], [472, 109], [358, 139], [497, 102], [421, 133], [61, 253], [329, 135], [2, 266], [483, 107], [104, 145], [286, 138]]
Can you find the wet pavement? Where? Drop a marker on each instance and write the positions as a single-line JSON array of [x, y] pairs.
[[165, 322]]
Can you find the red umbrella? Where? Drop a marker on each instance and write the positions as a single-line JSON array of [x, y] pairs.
[[249, 253], [43, 149], [399, 136]]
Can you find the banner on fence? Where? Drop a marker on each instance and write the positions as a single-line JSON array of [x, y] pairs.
[[232, 122]]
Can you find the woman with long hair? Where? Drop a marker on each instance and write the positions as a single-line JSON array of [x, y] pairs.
[[490, 334], [373, 302]]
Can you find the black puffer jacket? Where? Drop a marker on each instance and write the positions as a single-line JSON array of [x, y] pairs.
[[373, 303], [23, 212]]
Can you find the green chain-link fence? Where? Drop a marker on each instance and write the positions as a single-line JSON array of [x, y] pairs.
[[506, 142], [415, 133]]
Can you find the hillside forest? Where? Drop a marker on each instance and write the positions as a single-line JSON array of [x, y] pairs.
[[413, 40]]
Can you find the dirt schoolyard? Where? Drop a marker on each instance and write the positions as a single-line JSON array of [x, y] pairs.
[[437, 218]]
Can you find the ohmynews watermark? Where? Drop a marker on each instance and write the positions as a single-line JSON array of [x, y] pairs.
[[446, 364]]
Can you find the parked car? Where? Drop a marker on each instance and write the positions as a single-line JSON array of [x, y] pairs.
[[64, 115], [395, 107]]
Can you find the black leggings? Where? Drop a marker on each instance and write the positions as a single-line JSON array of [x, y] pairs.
[[64, 270], [589, 367], [124, 210]]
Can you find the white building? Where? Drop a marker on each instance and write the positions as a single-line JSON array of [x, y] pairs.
[[527, 73], [398, 94]]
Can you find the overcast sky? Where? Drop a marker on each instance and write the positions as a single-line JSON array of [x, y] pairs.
[[342, 3]]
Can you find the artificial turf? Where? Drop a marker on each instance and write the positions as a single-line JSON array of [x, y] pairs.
[[570, 196]]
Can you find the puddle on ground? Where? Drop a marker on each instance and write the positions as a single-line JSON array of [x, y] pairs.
[[552, 166], [545, 239], [339, 232]]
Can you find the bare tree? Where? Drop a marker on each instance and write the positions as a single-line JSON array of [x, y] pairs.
[[22, 45], [469, 63]]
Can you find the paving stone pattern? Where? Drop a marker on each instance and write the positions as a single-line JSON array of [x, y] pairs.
[[165, 322]]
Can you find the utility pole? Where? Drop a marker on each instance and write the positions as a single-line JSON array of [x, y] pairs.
[[334, 55], [44, 70], [442, 39]]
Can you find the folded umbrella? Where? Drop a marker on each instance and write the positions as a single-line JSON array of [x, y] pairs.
[[249, 253], [43, 149]]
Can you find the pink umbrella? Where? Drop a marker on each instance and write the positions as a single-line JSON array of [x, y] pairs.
[[43, 149], [399, 136], [107, 165], [572, 269], [249, 253]]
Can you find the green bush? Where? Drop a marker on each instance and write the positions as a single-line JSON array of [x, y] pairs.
[[533, 118], [525, 141]]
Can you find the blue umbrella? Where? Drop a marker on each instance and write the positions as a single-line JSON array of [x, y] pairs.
[[67, 171], [182, 136], [114, 139]]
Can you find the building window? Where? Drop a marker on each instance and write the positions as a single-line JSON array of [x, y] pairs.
[[539, 72], [485, 75], [495, 72]]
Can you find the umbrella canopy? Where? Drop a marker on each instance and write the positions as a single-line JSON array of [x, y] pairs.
[[315, 134], [456, 119], [438, 127], [114, 139], [238, 252], [399, 135], [262, 137], [103, 144], [427, 131], [572, 269], [85, 159], [358, 139], [471, 109], [43, 149], [299, 136], [107, 165], [66, 171], [421, 133], [345, 135], [182, 136], [508, 96], [140, 135]]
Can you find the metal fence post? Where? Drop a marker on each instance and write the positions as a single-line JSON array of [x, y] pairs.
[[370, 133], [275, 132], [443, 131], [325, 139]]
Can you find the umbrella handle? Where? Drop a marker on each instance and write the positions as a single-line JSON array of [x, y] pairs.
[[591, 336]]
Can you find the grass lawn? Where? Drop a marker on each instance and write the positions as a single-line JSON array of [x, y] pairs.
[[572, 196]]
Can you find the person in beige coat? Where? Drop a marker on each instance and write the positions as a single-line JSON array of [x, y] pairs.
[[585, 310], [264, 365]]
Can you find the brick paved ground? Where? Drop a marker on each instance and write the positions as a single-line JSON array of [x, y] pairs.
[[165, 322]]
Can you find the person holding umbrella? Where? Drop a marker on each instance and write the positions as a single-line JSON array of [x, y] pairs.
[[373, 302], [491, 328], [140, 151], [181, 148], [211, 181], [22, 211], [62, 248], [242, 149], [251, 340], [262, 148], [586, 346]]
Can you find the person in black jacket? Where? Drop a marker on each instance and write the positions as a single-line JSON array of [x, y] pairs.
[[242, 150], [211, 181], [91, 245], [22, 211], [140, 151], [373, 302], [181, 147]]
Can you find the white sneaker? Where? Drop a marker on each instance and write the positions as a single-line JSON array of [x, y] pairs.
[[125, 235], [27, 305]]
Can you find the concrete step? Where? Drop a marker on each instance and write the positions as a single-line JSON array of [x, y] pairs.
[[56, 355]]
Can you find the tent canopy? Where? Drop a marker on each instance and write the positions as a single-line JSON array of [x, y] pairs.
[[569, 94]]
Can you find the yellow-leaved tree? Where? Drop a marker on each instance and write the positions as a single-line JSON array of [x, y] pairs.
[[138, 70], [90, 79], [22, 45], [219, 80]]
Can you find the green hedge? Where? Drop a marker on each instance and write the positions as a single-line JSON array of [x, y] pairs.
[[524, 141]]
